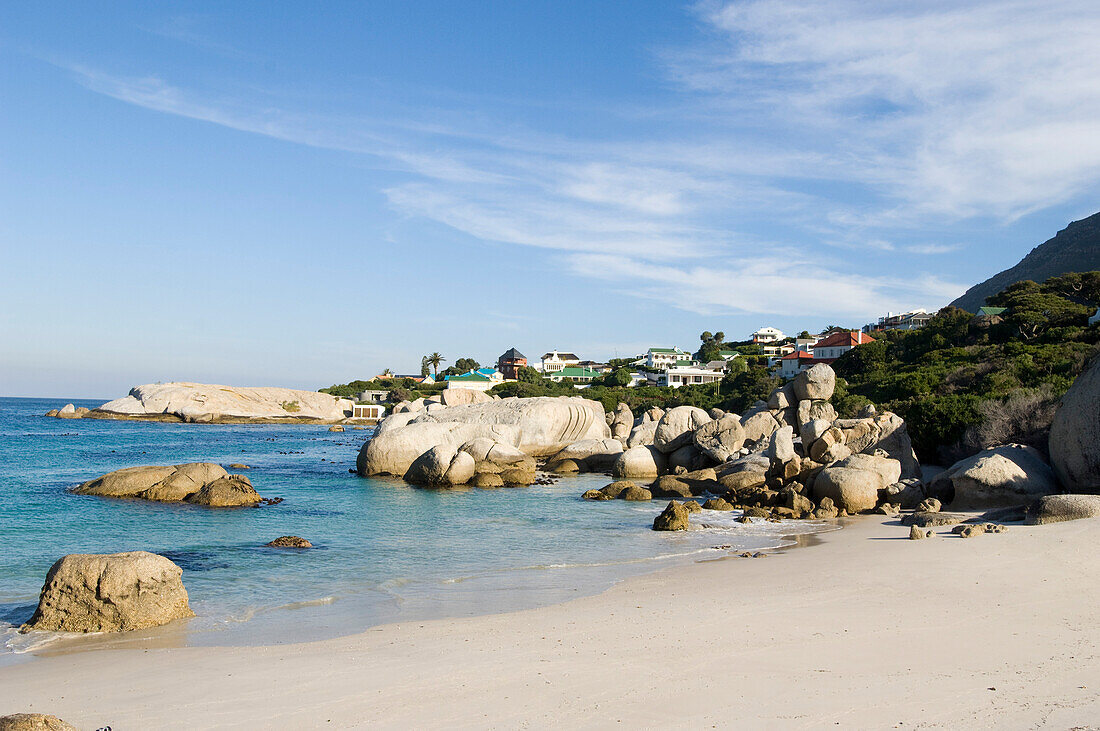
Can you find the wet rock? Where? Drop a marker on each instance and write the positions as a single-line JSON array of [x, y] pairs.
[[717, 503], [336, 428], [636, 494], [596, 495], [227, 492], [673, 517], [33, 722], [487, 480], [290, 542], [691, 506]]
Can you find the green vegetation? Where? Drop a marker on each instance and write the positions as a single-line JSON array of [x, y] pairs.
[[401, 389], [462, 365], [291, 406], [955, 379]]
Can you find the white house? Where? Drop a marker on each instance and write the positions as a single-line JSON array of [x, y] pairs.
[[554, 361], [794, 363], [367, 411], [685, 376], [839, 343], [902, 321], [778, 351], [661, 358], [767, 335]]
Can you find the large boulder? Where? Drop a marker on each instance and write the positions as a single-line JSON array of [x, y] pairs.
[[892, 437], [815, 383], [720, 439], [888, 469], [687, 457], [200, 483], [33, 722], [851, 489], [781, 446], [647, 461], [643, 434], [622, 422], [1008, 475], [463, 396], [677, 427], [759, 426], [1075, 434], [538, 427], [441, 466], [487, 451], [593, 454], [234, 491], [1058, 508], [194, 402], [114, 592]]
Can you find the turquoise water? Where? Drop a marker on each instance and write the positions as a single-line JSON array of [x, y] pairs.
[[385, 551]]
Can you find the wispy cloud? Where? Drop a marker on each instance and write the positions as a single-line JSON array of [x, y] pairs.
[[853, 125]]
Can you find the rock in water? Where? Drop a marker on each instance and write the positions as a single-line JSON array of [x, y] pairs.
[[115, 592], [1008, 475], [1075, 434], [336, 428], [33, 722], [1058, 508], [197, 402], [234, 491], [538, 427], [289, 542], [674, 517]]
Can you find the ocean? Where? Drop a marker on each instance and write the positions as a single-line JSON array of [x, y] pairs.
[[385, 551]]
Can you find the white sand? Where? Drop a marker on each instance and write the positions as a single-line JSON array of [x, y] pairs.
[[868, 630]]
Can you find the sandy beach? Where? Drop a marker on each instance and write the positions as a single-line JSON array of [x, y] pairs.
[[866, 630]]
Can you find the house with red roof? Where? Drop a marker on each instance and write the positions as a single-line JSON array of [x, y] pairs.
[[833, 346], [794, 363]]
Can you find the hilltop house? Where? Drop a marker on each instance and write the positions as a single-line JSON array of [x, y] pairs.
[[481, 380], [794, 363], [574, 374], [660, 358], [902, 321], [554, 361], [835, 345], [767, 335], [677, 376], [510, 362], [373, 396]]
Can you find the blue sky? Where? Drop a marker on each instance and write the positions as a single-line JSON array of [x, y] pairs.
[[275, 195]]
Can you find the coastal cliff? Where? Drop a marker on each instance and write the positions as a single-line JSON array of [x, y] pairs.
[[209, 403]]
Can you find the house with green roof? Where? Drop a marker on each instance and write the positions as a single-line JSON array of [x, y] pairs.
[[574, 374], [661, 358]]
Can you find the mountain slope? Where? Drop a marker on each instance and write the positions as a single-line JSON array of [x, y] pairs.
[[1076, 248]]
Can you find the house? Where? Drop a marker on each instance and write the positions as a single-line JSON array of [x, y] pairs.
[[806, 344], [677, 376], [767, 335], [595, 365], [835, 345], [367, 411], [554, 361], [728, 354], [901, 321], [481, 380], [777, 351], [794, 363], [575, 374], [510, 362], [425, 380], [661, 358], [372, 396]]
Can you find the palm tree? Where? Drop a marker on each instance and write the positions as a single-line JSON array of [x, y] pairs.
[[435, 359]]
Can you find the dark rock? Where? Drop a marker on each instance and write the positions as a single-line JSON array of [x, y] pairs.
[[290, 542], [674, 517]]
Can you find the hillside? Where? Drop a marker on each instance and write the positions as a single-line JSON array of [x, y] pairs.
[[1076, 248]]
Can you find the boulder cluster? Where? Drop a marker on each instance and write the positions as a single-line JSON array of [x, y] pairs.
[[473, 439], [68, 411], [199, 483]]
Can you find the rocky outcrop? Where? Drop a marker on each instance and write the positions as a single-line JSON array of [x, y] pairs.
[[622, 423], [463, 397], [536, 427], [115, 592], [201, 483], [1075, 434], [68, 411], [33, 722], [816, 383], [441, 466], [207, 403], [1007, 475], [642, 435], [1059, 508]]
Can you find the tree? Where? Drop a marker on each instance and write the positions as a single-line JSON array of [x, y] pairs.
[[619, 377], [527, 374], [424, 367], [435, 359], [712, 345], [465, 365]]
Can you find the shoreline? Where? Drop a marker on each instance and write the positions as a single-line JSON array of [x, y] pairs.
[[835, 635]]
